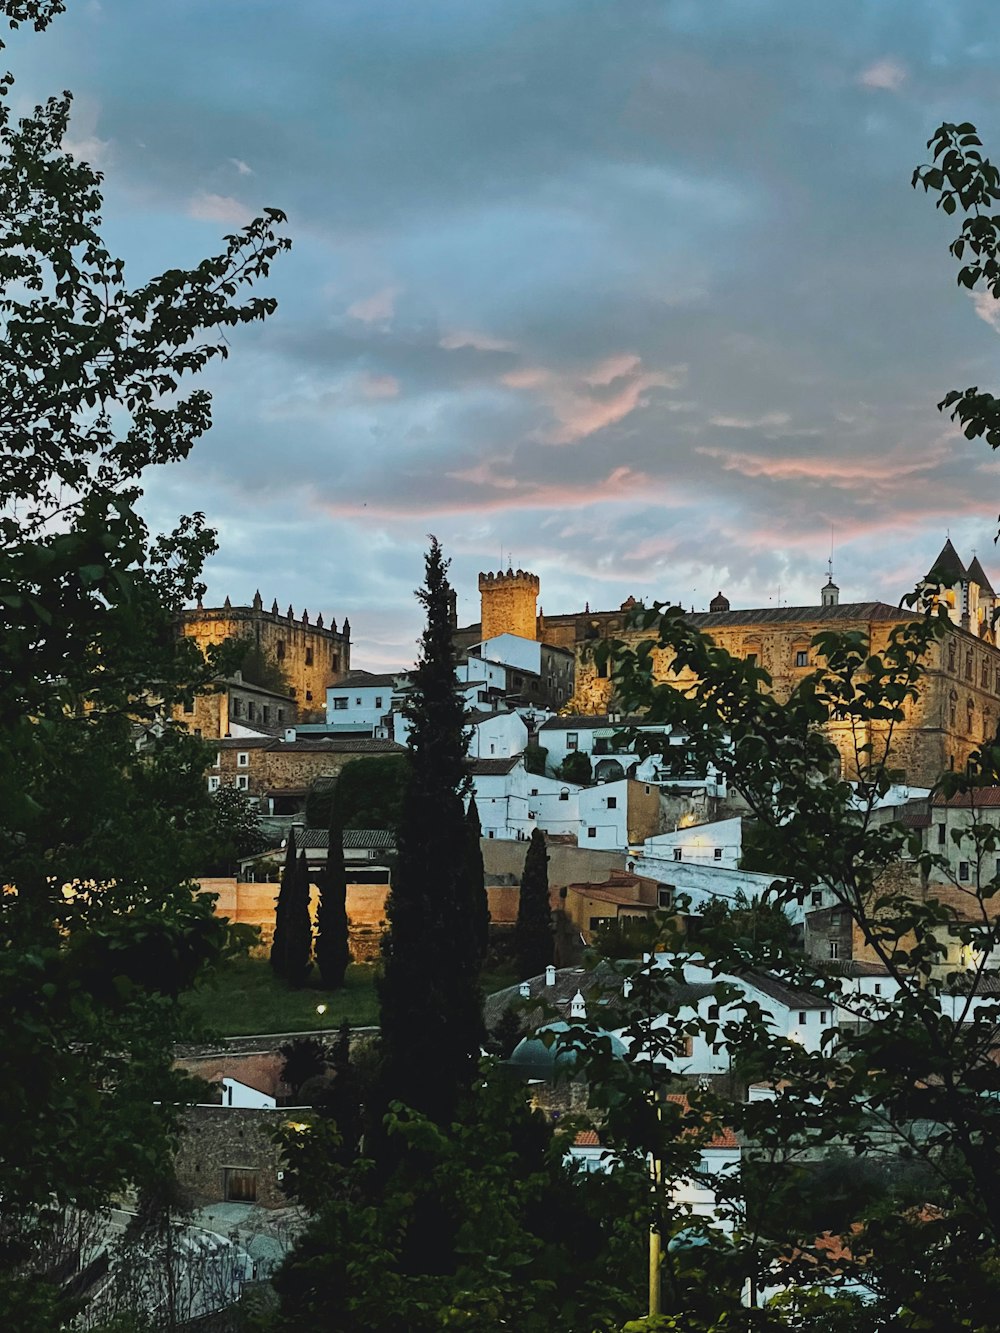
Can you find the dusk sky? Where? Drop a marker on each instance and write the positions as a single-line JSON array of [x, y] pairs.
[[637, 294]]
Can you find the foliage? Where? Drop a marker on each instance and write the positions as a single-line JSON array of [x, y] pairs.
[[533, 938], [576, 768], [104, 811], [333, 953], [431, 1006], [370, 792], [236, 830], [291, 952], [628, 936], [319, 802], [535, 759], [757, 926], [479, 1226], [304, 1058], [477, 879], [964, 179]]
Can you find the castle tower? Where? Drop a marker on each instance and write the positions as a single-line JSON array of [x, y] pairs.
[[508, 603]]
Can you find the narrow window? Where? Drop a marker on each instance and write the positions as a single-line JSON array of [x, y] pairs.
[[309, 695], [968, 666], [309, 657], [940, 834], [242, 760], [378, 701], [265, 712], [878, 988], [834, 949], [717, 853], [251, 710], [802, 657], [572, 740], [678, 853], [963, 870], [213, 784], [951, 657], [281, 715], [242, 781], [280, 650], [189, 707], [612, 802], [823, 1017], [802, 1017], [234, 707], [591, 833]]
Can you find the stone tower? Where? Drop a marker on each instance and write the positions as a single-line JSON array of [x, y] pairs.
[[508, 603]]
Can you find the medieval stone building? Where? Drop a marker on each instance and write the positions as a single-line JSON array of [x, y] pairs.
[[959, 703], [310, 655]]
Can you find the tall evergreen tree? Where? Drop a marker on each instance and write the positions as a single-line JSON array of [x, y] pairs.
[[333, 951], [291, 953], [286, 892], [431, 1006], [477, 879], [533, 940]]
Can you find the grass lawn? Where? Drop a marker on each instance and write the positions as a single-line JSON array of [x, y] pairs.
[[244, 997]]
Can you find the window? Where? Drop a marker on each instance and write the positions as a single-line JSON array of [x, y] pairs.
[[281, 715], [678, 853], [834, 949], [243, 760], [197, 731], [963, 870], [242, 781], [612, 802], [665, 895], [309, 695], [189, 707], [265, 712], [816, 898], [218, 759], [802, 657], [985, 674], [534, 791], [751, 659], [940, 835], [280, 650], [597, 921], [309, 657], [213, 783], [378, 701], [968, 666], [490, 834], [572, 740], [564, 795], [802, 1017], [591, 832], [951, 657], [878, 988], [717, 853], [251, 711], [823, 1016], [357, 703], [339, 702], [234, 707]]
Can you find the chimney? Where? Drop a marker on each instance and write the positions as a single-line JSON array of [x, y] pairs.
[[289, 734], [578, 1006], [524, 990], [550, 975], [627, 987]]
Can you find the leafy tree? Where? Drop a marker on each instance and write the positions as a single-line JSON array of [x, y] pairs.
[[320, 801], [370, 792], [236, 830], [533, 938], [576, 767], [98, 838], [477, 879], [333, 951], [535, 759], [431, 1007], [304, 1058]]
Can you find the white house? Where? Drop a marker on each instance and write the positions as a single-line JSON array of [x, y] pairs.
[[362, 700], [719, 844], [235, 1093], [513, 802], [702, 863], [613, 757], [497, 735]]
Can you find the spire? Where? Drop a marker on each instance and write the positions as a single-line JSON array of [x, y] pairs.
[[347, 628], [258, 605], [829, 593], [227, 604], [978, 575], [305, 617], [291, 613], [274, 608], [319, 621], [947, 569]]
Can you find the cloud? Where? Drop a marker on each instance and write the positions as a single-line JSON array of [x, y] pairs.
[[751, 423], [480, 342], [590, 400], [380, 386], [379, 308], [241, 166], [207, 207], [888, 74], [987, 307]]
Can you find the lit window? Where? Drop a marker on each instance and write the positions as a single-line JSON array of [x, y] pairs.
[[243, 760]]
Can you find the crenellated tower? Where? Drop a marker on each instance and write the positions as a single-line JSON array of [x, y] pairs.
[[508, 603]]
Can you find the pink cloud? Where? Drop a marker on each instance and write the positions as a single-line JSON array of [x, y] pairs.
[[890, 468], [380, 386], [378, 308], [887, 74], [587, 401], [752, 423]]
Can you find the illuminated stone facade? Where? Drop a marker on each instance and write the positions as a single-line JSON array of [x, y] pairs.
[[312, 655], [508, 604]]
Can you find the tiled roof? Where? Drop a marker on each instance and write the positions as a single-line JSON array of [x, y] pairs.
[[983, 798], [354, 838], [725, 1138], [790, 996], [603, 981], [858, 967], [794, 615], [579, 722], [948, 565], [369, 680], [310, 745], [244, 743], [978, 575], [982, 983], [493, 768]]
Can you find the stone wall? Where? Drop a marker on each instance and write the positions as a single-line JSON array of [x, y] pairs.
[[508, 603], [221, 1139], [567, 864], [253, 905]]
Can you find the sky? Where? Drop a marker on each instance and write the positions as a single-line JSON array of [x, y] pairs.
[[635, 295]]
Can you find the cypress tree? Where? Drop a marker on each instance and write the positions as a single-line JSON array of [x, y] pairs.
[[332, 948], [291, 952], [533, 941], [477, 880], [285, 893], [431, 1006]]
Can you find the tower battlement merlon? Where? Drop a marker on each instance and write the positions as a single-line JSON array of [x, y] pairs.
[[507, 599], [254, 614], [511, 578]]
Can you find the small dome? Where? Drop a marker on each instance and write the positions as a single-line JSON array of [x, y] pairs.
[[719, 602], [533, 1059]]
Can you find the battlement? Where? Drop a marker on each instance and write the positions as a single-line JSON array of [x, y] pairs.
[[513, 578]]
